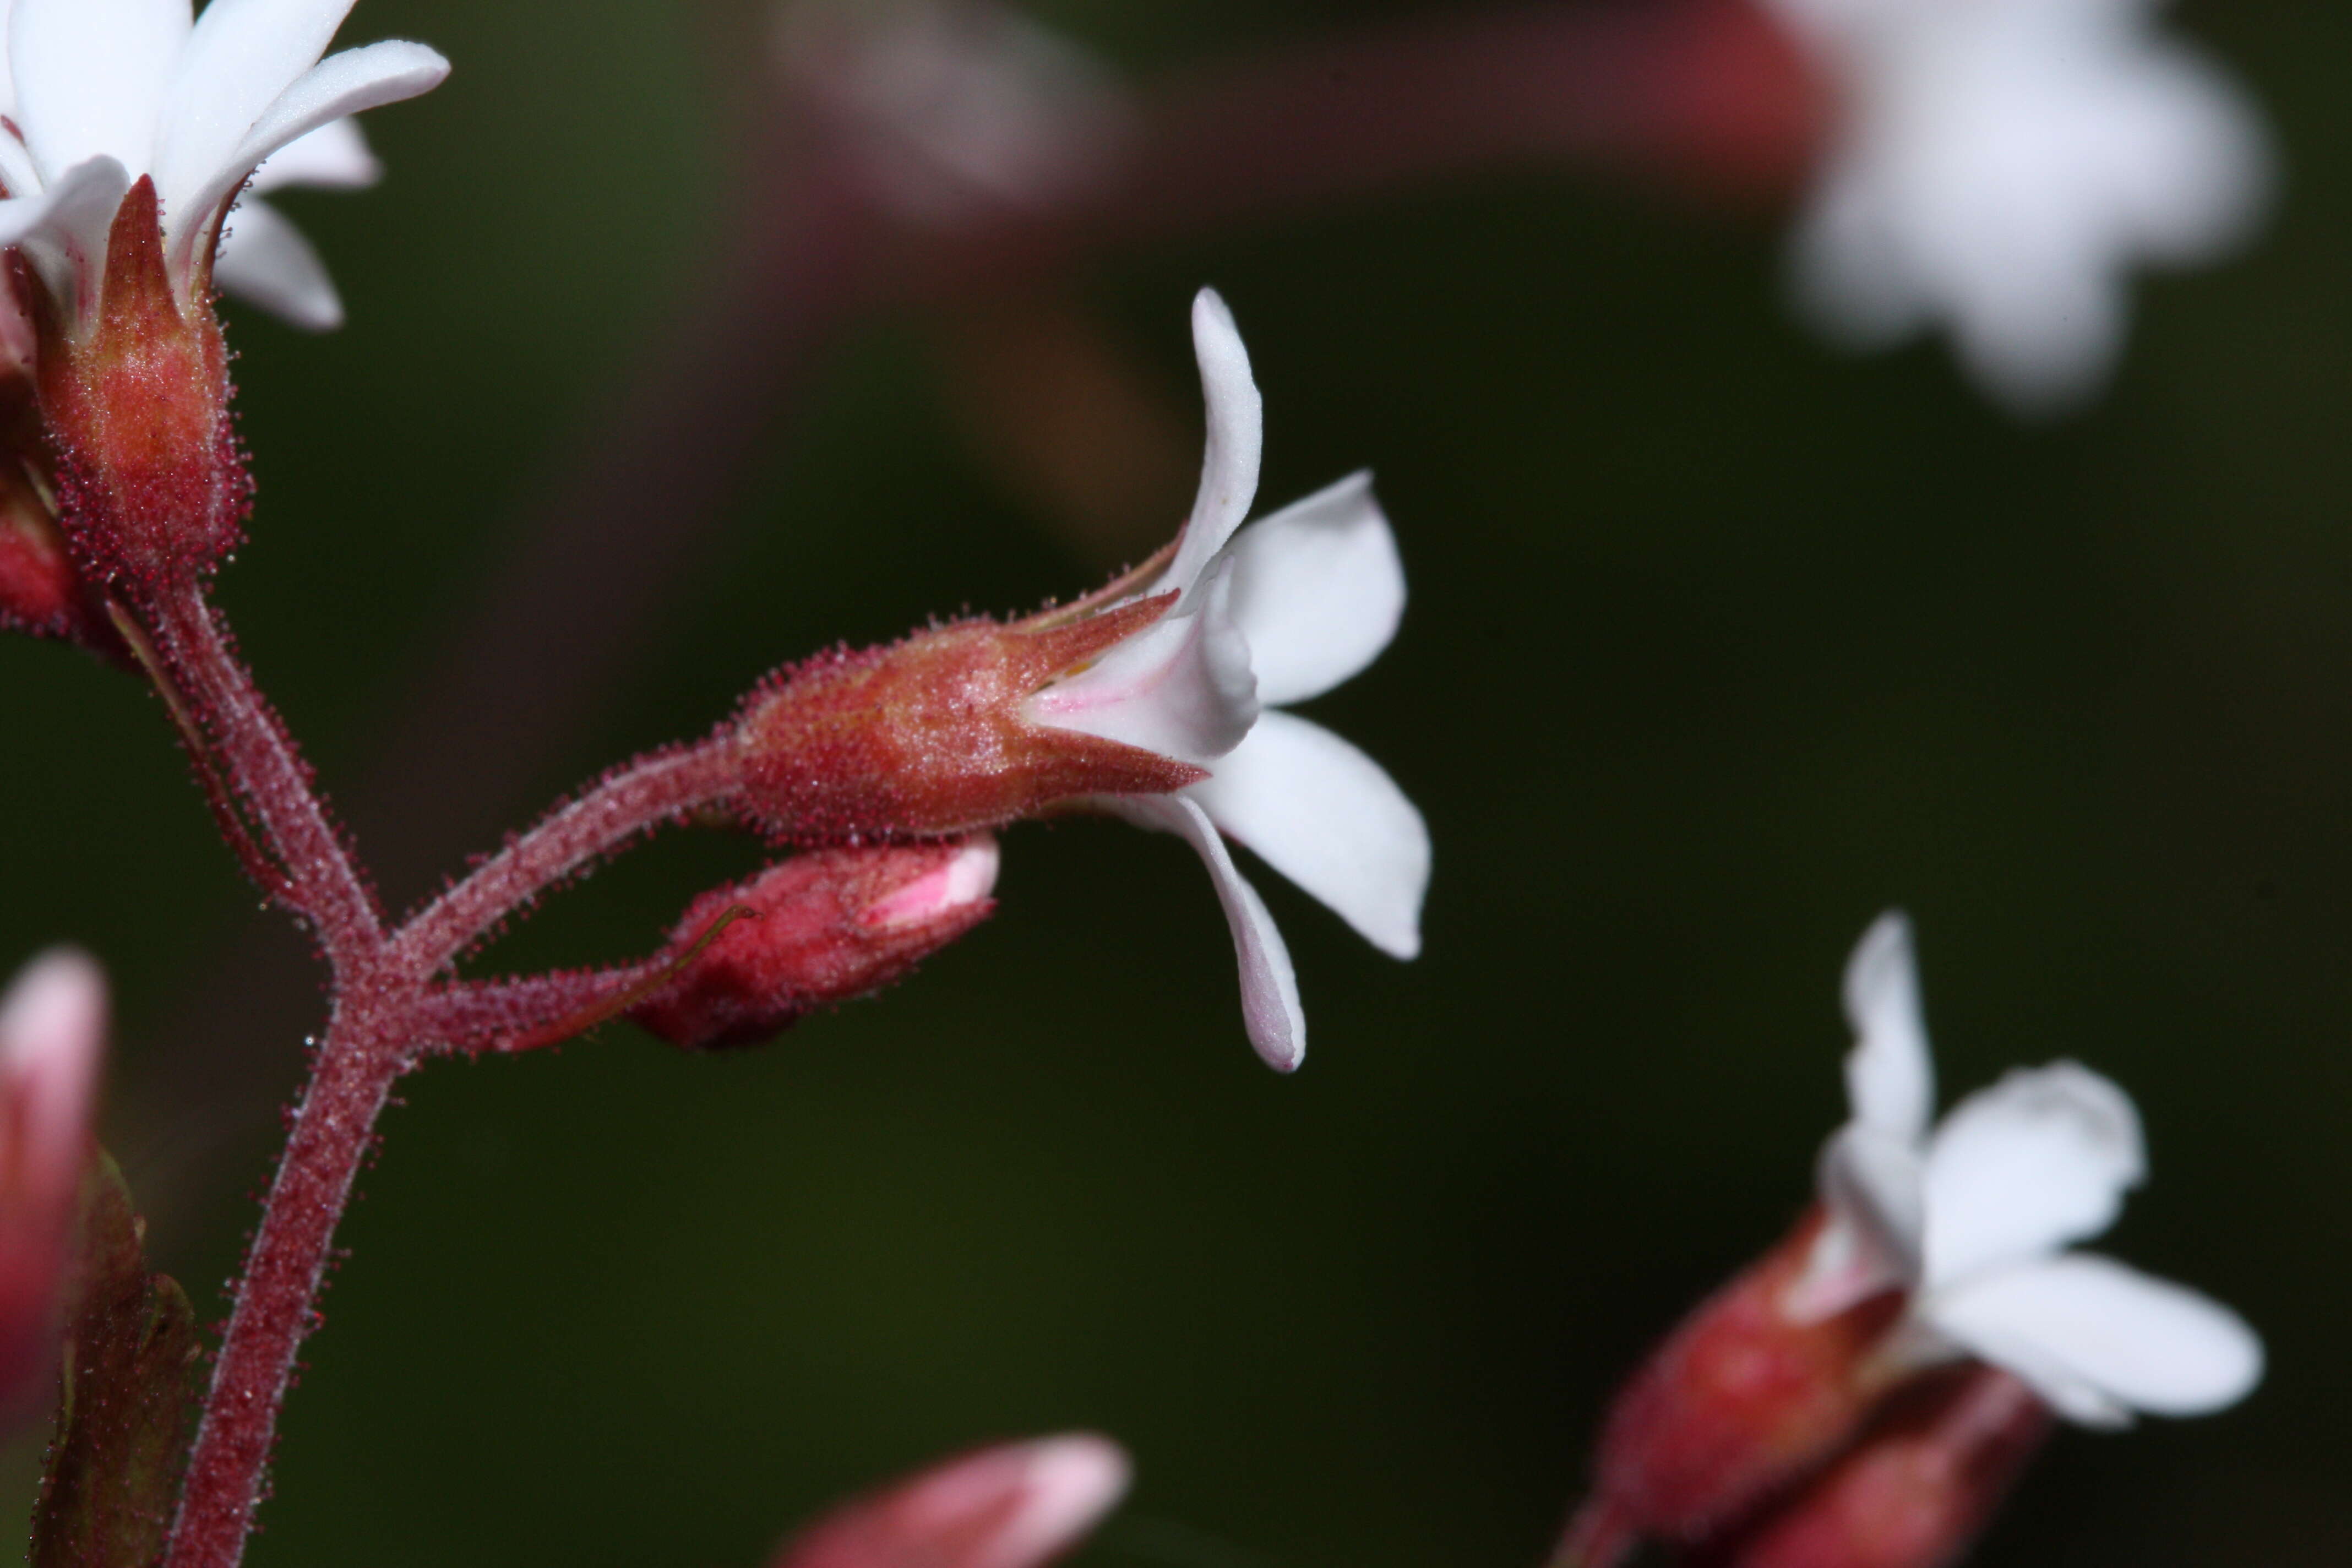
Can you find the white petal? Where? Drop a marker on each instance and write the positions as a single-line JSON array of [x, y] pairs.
[[2100, 1340], [90, 75], [1890, 1077], [346, 83], [334, 156], [1324, 815], [1181, 687], [1318, 590], [1873, 1187], [241, 57], [1270, 1010], [1236, 440], [63, 231], [265, 259], [2040, 1160]]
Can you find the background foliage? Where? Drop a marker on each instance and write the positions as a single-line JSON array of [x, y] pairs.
[[1720, 644]]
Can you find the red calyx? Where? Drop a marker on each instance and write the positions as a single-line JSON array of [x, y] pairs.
[[151, 481], [825, 926], [1740, 1399], [925, 737], [1914, 1492]]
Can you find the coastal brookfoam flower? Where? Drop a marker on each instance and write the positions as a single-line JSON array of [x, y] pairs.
[[104, 93], [1157, 699], [1277, 613], [1973, 1220], [1999, 169]]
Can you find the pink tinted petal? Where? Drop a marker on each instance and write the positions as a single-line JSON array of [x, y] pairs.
[[1871, 1185], [1890, 1076], [2099, 1340], [1229, 464], [1326, 816], [52, 1037], [2040, 1160], [264, 259], [1018, 1506], [335, 157], [1270, 1006], [964, 880], [1181, 688], [1318, 591]]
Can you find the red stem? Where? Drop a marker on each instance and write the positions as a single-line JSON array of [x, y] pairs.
[[269, 773], [385, 1016], [275, 1299], [664, 787]]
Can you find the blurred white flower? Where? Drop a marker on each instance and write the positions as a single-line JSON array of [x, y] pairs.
[[1972, 1219], [1019, 1505], [951, 108], [100, 92], [1277, 613], [1998, 169]]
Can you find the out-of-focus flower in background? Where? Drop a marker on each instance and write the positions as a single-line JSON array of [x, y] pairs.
[[52, 1037], [1019, 1505], [2001, 166], [1971, 1223], [102, 93], [1927, 1252], [951, 110]]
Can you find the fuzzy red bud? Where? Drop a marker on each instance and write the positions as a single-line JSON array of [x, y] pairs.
[[151, 482], [1745, 1395], [1018, 1506], [52, 1035], [824, 927], [1914, 1492], [927, 737]]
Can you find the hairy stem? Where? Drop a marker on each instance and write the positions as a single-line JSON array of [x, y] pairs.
[[664, 787], [386, 1015], [276, 1298], [326, 887]]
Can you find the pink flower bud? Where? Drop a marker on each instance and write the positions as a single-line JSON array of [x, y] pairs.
[[41, 593], [1914, 1492], [932, 736], [1747, 1393], [825, 926], [52, 1033], [1017, 1506], [150, 480]]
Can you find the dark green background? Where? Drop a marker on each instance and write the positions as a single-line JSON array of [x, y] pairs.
[[1719, 644]]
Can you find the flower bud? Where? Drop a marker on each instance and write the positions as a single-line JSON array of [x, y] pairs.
[[52, 1033], [825, 926], [1747, 1393], [929, 736], [1018, 1506], [134, 400], [1914, 1492]]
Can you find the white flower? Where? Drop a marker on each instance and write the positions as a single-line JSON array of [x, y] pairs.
[[1998, 168], [101, 92], [1973, 1220], [1277, 613]]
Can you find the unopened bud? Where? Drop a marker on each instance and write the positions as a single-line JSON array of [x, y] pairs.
[[928, 736], [1747, 1393], [150, 480], [1019, 1506], [41, 593], [824, 927], [52, 1033], [1914, 1492]]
